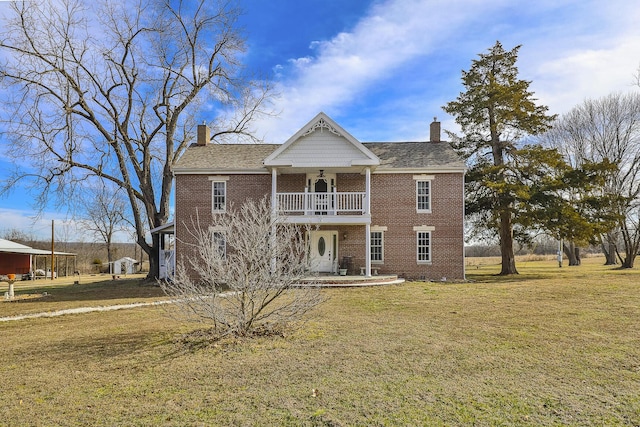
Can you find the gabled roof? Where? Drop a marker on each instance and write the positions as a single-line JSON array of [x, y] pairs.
[[13, 247], [126, 259], [327, 142], [7, 246], [321, 143]]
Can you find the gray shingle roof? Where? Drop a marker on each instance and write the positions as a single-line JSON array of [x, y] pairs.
[[225, 156], [392, 155], [413, 155]]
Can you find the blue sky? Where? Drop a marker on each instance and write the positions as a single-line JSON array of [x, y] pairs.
[[384, 68]]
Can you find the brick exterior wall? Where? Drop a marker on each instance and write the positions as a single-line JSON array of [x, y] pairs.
[[400, 245], [393, 204], [193, 193]]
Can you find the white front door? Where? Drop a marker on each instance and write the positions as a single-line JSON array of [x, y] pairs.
[[323, 251]]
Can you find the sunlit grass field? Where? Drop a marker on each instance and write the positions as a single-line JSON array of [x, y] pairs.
[[551, 346]]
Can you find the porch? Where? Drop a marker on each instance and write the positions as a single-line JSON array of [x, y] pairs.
[[312, 197], [336, 281], [321, 203]]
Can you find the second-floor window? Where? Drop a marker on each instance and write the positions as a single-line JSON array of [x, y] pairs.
[[219, 196], [423, 196]]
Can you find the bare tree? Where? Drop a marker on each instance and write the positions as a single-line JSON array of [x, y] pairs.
[[105, 215], [243, 272], [608, 129], [18, 236], [110, 91]]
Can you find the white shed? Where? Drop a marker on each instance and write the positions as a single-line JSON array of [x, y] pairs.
[[124, 266]]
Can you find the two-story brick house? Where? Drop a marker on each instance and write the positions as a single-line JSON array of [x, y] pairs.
[[390, 208]]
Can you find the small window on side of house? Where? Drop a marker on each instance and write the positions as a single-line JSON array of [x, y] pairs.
[[377, 247], [219, 196]]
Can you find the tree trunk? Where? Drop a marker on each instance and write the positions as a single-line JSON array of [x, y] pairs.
[[572, 252], [628, 261], [609, 250], [506, 245], [629, 258], [153, 252], [109, 255], [154, 258]]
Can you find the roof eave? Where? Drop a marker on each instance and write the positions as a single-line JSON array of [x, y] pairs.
[[209, 171], [444, 169]]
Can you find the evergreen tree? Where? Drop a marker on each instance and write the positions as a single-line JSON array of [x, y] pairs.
[[495, 112]]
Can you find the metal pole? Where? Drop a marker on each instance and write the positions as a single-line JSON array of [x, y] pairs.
[[560, 253]]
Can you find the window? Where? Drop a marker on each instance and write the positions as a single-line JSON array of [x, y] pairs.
[[423, 243], [376, 239], [219, 240], [219, 196], [423, 192], [424, 247], [423, 196], [377, 247]]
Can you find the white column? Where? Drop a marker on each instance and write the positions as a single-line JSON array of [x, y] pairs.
[[274, 213], [367, 186], [368, 249], [274, 189], [367, 211]]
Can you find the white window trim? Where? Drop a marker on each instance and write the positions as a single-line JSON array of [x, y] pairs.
[[219, 230], [424, 229], [213, 180], [429, 179], [378, 229]]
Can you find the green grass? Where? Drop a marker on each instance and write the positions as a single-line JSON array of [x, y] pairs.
[[549, 347]]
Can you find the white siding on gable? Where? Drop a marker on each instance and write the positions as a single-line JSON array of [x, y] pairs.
[[322, 149]]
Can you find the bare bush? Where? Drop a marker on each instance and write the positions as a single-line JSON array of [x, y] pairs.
[[243, 273]]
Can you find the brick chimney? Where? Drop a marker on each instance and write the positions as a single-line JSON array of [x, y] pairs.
[[434, 130], [204, 135]]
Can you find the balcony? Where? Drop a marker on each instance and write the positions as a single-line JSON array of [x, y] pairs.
[[334, 207]]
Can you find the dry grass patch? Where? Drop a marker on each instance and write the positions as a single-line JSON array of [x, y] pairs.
[[548, 348], [91, 292]]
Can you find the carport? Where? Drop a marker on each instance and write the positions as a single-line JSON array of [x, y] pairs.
[[20, 260]]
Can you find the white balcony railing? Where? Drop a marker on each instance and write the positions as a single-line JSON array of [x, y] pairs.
[[321, 203]]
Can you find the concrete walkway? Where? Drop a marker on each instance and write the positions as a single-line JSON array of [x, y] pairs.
[[81, 310]]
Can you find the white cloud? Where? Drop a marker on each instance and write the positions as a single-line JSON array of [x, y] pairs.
[[27, 222], [572, 50], [393, 33], [590, 73]]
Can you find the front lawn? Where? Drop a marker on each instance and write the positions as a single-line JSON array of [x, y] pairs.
[[549, 347]]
